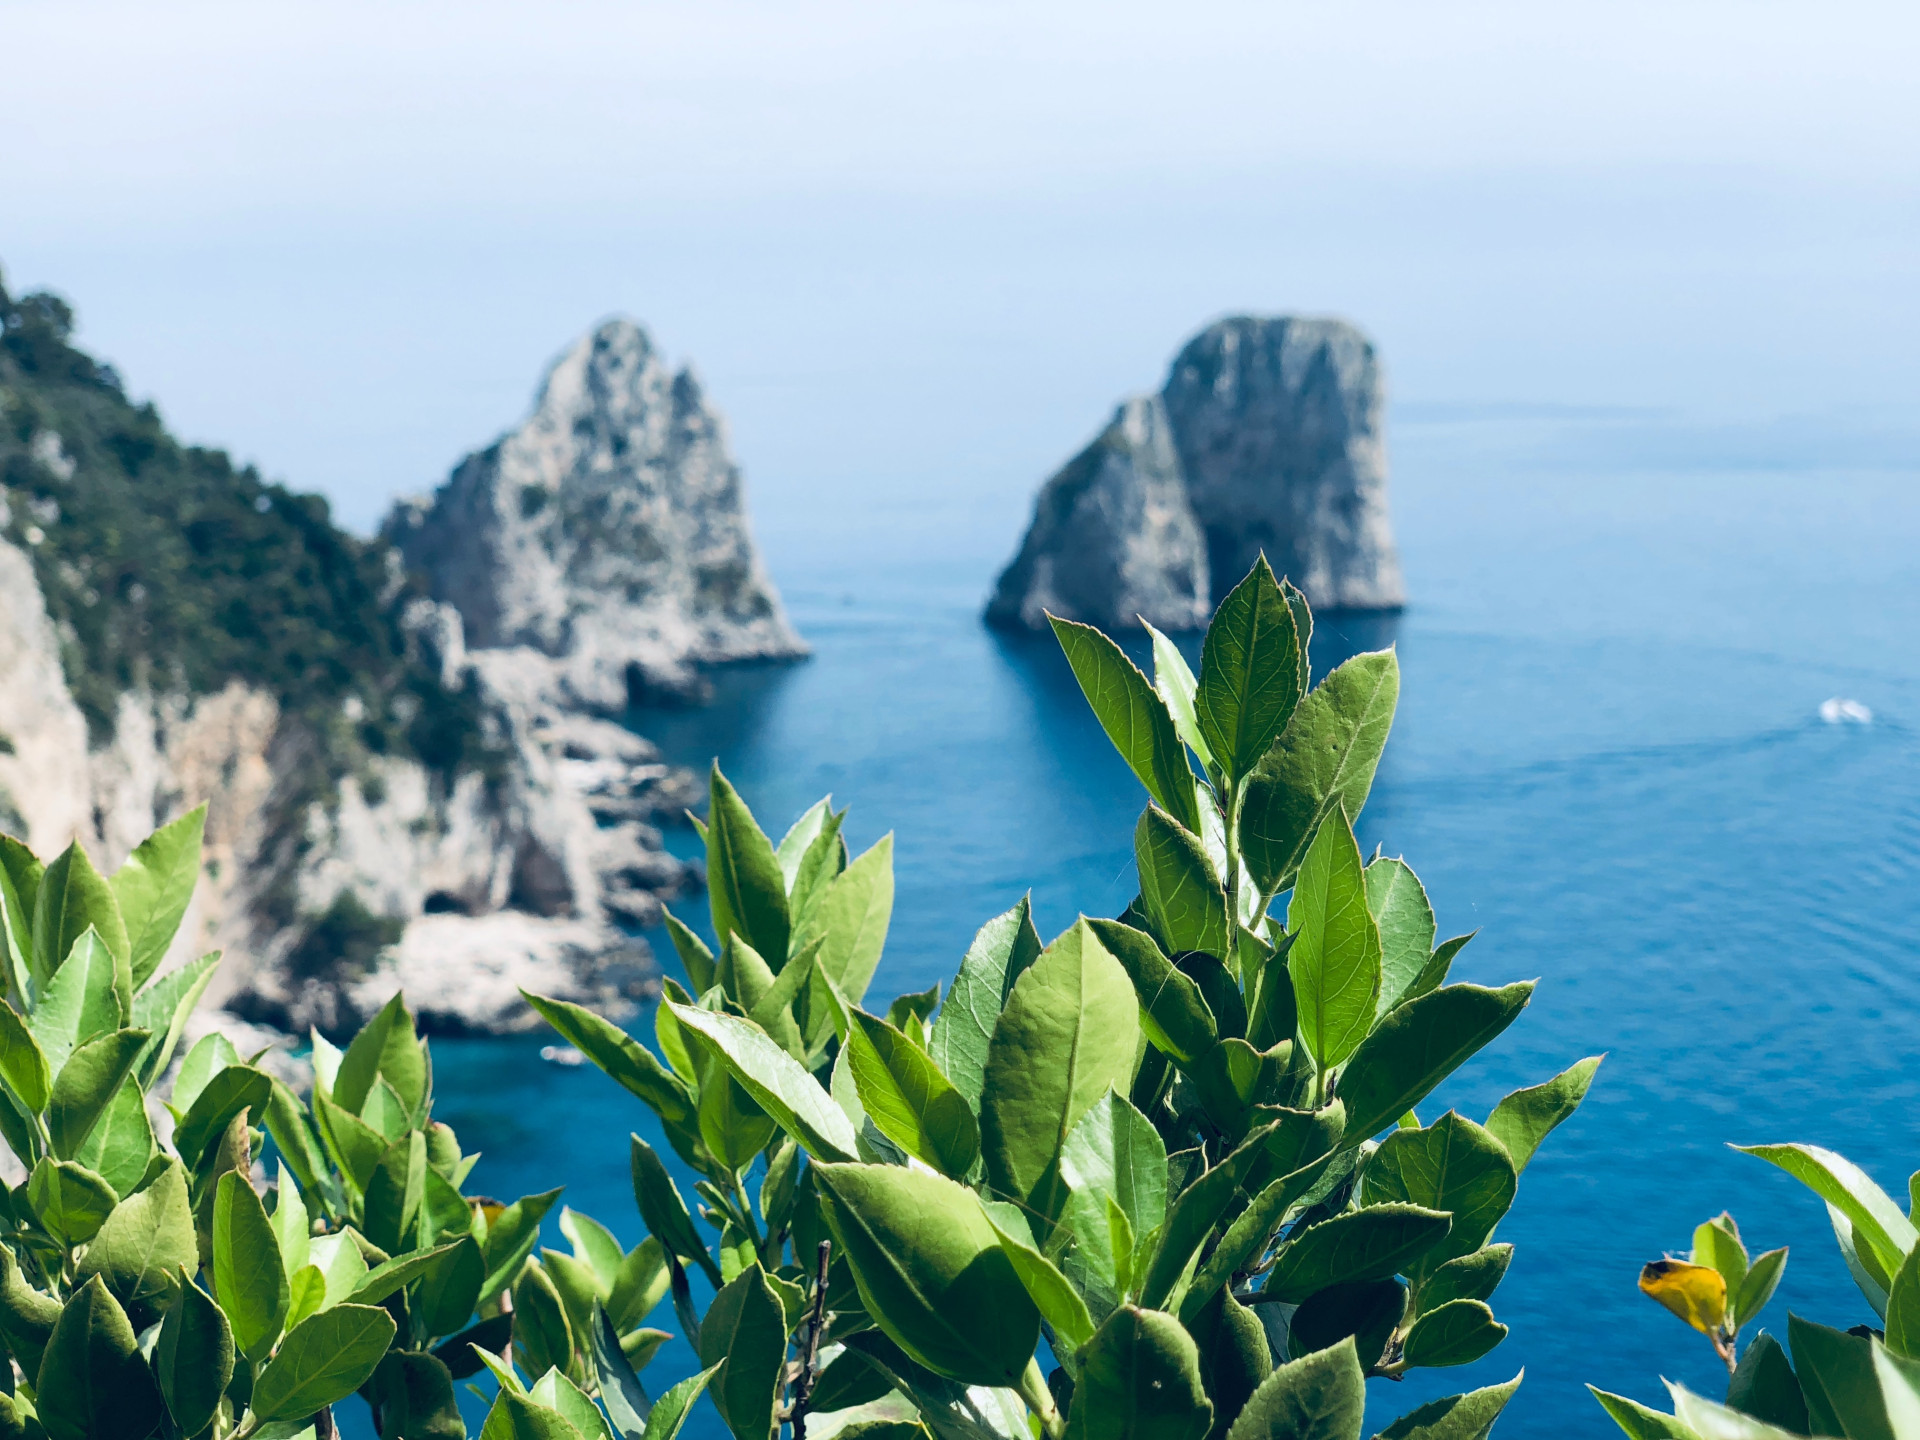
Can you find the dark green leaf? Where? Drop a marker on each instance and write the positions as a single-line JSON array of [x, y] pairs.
[[909, 1100], [27, 1315], [1366, 1310], [1335, 958], [86, 1085], [93, 1382], [1173, 1012], [1317, 1397], [634, 1067], [1323, 761], [743, 1340], [1250, 672], [620, 1389], [153, 889], [70, 1200], [1418, 1045], [745, 887], [542, 1334], [1139, 1380], [1200, 1207], [1469, 1277], [22, 1063], [511, 1238], [235, 1089], [1183, 899], [1526, 1117], [664, 1212], [693, 953], [1456, 1333], [1458, 1417], [193, 1358], [1837, 1379], [413, 1396], [1452, 1165], [1368, 1244], [1765, 1388], [1234, 1356], [1251, 1231], [491, 1335], [450, 1290], [1134, 717], [1005, 946], [394, 1192]]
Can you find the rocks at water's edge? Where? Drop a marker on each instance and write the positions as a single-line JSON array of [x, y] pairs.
[[1267, 437]]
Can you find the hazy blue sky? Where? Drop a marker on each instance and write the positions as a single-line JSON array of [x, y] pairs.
[[918, 251]]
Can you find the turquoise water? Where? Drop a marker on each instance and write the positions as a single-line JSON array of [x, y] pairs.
[[1608, 760]]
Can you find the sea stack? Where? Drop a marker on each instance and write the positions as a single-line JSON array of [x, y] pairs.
[[608, 532], [1275, 432]]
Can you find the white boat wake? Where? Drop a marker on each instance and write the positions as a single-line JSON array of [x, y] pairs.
[[1838, 711]]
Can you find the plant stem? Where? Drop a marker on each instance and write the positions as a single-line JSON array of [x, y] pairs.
[[810, 1352], [746, 1216], [1033, 1390]]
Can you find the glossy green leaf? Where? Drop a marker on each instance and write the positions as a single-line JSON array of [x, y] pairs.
[[121, 1144], [72, 898], [620, 1388], [1324, 761], [1133, 715], [193, 1358], [800, 836], [1639, 1421], [394, 1192], [70, 1200], [162, 1010], [340, 1265], [91, 995], [930, 1270], [235, 1089], [153, 888], [292, 1228], [1140, 1380], [1526, 1117], [1764, 1386], [909, 1100], [249, 1276], [1452, 1165], [851, 917], [671, 1410], [93, 1382], [745, 887], [774, 1011], [1184, 902], [962, 1032], [664, 1212], [324, 1359], [743, 1341], [20, 873], [1366, 1244], [825, 859], [210, 1054], [1398, 903], [1418, 1045], [1059, 1304], [395, 1274], [1174, 682], [639, 1284], [1710, 1421], [1757, 1289], [86, 1086], [1456, 1333], [1114, 1153], [1876, 1219], [1335, 959], [1250, 672], [515, 1417], [543, 1336], [511, 1238], [23, 1065], [1457, 1417], [633, 1067], [1321, 1396], [1173, 1012], [558, 1393], [447, 1293], [1068, 1034], [693, 953], [1837, 1378], [775, 1080], [146, 1241], [742, 972]]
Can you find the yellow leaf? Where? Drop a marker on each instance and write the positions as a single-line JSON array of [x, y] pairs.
[[1696, 1293]]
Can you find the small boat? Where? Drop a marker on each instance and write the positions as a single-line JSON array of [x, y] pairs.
[[561, 1055]]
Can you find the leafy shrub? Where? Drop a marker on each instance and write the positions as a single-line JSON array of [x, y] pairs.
[[147, 1288], [1155, 1142], [1862, 1382]]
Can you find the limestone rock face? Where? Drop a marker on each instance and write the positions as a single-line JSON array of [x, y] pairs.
[[1266, 438], [607, 533], [1113, 539]]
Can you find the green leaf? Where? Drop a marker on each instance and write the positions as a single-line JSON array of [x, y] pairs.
[[1764, 1387], [851, 916], [1321, 1396], [930, 1270], [733, 1128], [1468, 1277], [193, 1358], [1250, 672], [292, 1230], [639, 1285], [23, 1065], [1200, 1207], [340, 1265], [1366, 1310], [775, 1080], [1398, 903], [825, 858], [1710, 1421], [1640, 1422], [1068, 1034], [163, 1008], [20, 873], [1140, 1380], [962, 1032], [511, 1237], [1133, 715], [1456, 1333], [394, 1192], [1716, 1242], [235, 1089], [1899, 1389], [27, 1316], [450, 1289], [1173, 680], [1452, 1165], [1114, 1152], [542, 1334], [147, 1239], [91, 995], [909, 1100], [594, 1245], [121, 1146], [385, 1048], [1418, 1045], [1903, 1308], [300, 1147], [93, 1381], [1059, 1304], [248, 1274], [693, 953], [799, 838], [664, 1212], [1876, 1219], [1757, 1289], [86, 1085], [1458, 1417], [560, 1394], [1183, 899], [72, 899], [1173, 1012], [671, 1410], [1250, 1233], [1234, 1356], [210, 1054], [1366, 1244], [515, 1417], [620, 1388], [1324, 761], [153, 889], [324, 1359], [633, 1067], [745, 887], [1526, 1117], [1335, 959], [743, 1341], [414, 1397], [1837, 1378], [70, 1200]]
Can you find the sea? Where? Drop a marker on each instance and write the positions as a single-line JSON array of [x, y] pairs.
[[1615, 760]]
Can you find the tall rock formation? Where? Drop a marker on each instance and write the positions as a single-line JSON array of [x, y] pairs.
[[608, 533], [1275, 428]]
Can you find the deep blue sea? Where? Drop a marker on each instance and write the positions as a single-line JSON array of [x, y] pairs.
[[1609, 760]]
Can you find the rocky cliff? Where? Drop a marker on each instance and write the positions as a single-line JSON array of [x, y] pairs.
[[1267, 437], [391, 802]]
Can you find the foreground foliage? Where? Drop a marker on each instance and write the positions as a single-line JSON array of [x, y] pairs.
[[1858, 1384], [1180, 1146]]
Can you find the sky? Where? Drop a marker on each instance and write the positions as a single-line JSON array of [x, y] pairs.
[[917, 252]]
